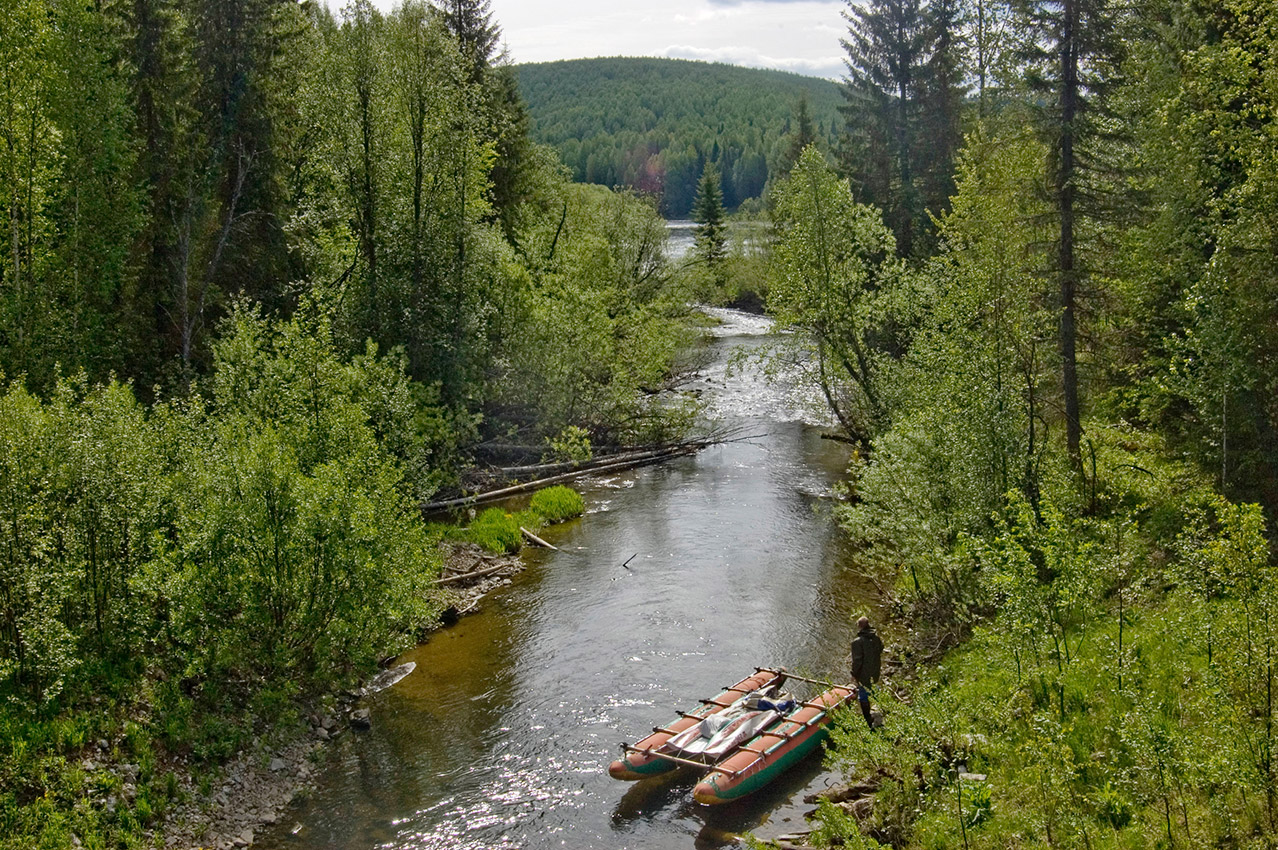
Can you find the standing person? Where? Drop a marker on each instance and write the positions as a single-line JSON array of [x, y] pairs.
[[867, 658]]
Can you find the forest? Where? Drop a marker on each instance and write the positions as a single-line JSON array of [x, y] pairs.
[[272, 275], [1035, 283], [653, 124]]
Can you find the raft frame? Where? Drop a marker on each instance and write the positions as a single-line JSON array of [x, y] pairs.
[[768, 761]]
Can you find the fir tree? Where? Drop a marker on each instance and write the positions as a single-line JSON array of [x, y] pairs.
[[804, 134], [708, 213], [471, 23], [902, 75], [1071, 56]]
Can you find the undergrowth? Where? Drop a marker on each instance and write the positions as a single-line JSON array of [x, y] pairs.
[[1116, 688]]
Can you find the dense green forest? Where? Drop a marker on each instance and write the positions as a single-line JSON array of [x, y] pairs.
[[1036, 285], [271, 273], [653, 124]]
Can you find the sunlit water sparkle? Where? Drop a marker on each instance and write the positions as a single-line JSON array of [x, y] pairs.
[[502, 737]]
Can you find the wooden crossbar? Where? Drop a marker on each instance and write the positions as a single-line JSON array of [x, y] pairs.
[[678, 760], [797, 677]]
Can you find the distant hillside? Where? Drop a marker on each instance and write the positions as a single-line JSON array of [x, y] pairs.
[[653, 123]]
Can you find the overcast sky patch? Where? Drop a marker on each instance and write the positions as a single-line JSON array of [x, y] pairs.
[[801, 36]]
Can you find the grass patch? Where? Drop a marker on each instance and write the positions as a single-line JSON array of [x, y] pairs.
[[558, 503], [497, 530]]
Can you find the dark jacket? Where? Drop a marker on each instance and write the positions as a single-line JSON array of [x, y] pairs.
[[867, 656]]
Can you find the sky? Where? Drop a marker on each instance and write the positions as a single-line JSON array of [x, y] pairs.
[[790, 35]]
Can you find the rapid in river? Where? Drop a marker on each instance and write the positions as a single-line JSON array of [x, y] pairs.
[[503, 735]]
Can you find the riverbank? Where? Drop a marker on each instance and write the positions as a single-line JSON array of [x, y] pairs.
[[1100, 678], [258, 787]]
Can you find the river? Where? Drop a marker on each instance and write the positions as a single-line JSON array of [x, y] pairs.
[[502, 736]]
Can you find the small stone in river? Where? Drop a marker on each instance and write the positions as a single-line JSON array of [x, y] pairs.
[[361, 718], [277, 764], [245, 838], [321, 733]]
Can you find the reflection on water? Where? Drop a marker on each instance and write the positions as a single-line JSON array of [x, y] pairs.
[[502, 736]]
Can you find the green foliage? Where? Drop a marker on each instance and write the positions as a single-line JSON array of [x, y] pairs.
[[1099, 703], [657, 123], [558, 503], [249, 547], [596, 329], [1199, 281], [835, 828], [708, 213], [904, 94], [572, 444], [836, 279]]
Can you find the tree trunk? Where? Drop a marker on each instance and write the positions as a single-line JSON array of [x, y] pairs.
[[1065, 192]]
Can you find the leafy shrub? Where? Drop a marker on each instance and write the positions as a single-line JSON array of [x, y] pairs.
[[1114, 807], [978, 806], [558, 503], [572, 444]]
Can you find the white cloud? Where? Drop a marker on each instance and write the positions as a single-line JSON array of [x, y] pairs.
[[792, 35], [830, 67]]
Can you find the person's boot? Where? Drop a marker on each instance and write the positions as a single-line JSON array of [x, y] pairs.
[[865, 709]]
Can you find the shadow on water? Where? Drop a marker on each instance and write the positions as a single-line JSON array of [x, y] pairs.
[[502, 736]]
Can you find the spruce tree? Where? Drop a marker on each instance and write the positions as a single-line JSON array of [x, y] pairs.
[[804, 134], [902, 73], [708, 213], [471, 23], [1071, 56]]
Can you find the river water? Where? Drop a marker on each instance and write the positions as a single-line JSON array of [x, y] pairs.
[[502, 736]]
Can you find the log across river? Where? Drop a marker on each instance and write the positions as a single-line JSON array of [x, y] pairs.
[[503, 734]]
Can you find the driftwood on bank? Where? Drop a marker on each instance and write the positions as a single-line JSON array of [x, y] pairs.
[[487, 571]]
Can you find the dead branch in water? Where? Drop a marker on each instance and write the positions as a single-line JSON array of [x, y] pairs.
[[535, 540]]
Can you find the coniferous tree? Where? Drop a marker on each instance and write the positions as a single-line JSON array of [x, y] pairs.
[[471, 23], [708, 213], [903, 94], [1071, 55], [804, 134]]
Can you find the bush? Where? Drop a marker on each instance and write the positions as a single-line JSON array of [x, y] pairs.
[[556, 504]]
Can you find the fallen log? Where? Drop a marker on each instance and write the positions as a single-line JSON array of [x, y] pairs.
[[537, 541], [537, 484], [537, 469]]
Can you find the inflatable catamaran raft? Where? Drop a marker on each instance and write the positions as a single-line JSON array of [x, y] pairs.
[[742, 739]]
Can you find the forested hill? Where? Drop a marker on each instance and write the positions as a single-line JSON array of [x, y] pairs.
[[653, 123]]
